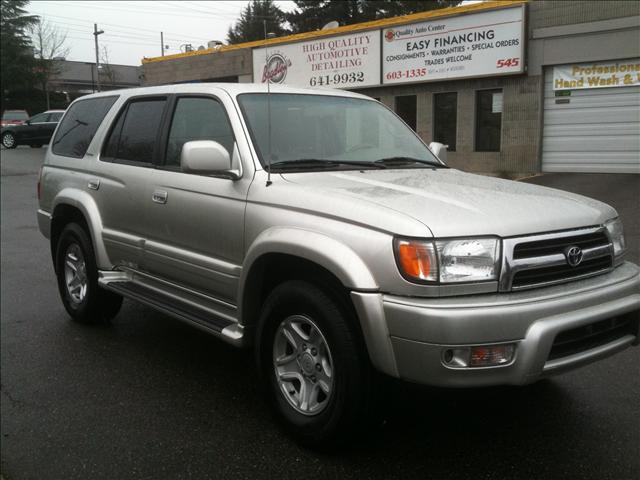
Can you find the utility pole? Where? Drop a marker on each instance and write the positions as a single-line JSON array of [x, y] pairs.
[[97, 32], [162, 43]]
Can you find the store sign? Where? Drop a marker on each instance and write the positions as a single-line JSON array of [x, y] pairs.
[[346, 61], [480, 44], [624, 73]]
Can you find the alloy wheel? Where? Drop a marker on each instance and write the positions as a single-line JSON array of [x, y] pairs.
[[303, 365]]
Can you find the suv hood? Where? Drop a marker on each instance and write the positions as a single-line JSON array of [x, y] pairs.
[[453, 203]]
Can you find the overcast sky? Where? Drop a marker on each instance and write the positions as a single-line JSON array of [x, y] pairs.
[[132, 28]]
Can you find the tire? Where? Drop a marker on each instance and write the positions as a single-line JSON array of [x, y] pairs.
[[36, 145], [9, 140], [332, 418], [75, 265]]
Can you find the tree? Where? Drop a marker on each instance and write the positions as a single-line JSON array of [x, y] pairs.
[[314, 14], [49, 48], [106, 69], [16, 56], [250, 26]]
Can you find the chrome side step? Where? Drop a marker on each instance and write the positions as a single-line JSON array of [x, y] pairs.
[[212, 316]]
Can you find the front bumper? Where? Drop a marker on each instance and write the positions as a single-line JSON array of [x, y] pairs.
[[406, 336]]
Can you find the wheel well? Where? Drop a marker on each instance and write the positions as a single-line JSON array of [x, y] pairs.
[[272, 269], [64, 214]]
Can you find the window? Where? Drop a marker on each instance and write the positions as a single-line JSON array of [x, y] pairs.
[[406, 108], [55, 117], [488, 120], [445, 110], [197, 118], [79, 126], [133, 137], [40, 118]]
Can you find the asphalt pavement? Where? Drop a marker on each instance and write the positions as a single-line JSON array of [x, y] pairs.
[[150, 398]]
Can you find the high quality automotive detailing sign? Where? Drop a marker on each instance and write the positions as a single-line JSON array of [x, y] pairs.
[[346, 61], [480, 44]]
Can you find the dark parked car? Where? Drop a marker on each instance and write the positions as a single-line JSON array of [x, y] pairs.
[[34, 132]]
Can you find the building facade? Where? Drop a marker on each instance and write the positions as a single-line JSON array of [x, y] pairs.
[[81, 78], [511, 87]]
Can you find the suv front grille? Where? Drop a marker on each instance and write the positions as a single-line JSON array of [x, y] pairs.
[[545, 275], [540, 260], [557, 245]]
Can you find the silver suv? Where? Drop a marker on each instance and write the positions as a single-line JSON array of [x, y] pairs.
[[317, 228]]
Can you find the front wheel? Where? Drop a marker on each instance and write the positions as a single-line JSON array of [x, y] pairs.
[[77, 274], [9, 140], [314, 371]]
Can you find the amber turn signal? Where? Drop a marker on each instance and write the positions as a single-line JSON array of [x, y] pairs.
[[417, 259]]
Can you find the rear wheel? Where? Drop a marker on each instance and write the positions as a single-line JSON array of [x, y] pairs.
[[315, 374], [9, 140], [77, 276]]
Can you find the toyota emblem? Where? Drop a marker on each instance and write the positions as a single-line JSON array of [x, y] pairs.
[[573, 255]]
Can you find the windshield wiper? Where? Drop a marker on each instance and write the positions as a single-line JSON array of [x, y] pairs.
[[390, 161], [322, 163]]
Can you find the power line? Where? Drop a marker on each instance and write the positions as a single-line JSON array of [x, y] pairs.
[[118, 26]]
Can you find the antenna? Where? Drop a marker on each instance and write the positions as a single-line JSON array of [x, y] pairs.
[[266, 66]]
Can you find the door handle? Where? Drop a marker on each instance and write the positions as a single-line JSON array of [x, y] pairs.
[[159, 196], [94, 184]]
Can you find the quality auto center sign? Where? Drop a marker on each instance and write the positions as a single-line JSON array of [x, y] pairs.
[[345, 61], [480, 44]]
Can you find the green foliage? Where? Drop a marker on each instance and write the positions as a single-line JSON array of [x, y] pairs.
[[314, 14], [250, 25], [16, 55]]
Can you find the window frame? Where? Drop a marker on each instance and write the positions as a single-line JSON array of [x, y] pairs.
[[124, 109], [53, 138], [476, 118], [168, 121], [433, 116]]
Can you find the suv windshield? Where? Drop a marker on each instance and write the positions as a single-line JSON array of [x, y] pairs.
[[330, 132]]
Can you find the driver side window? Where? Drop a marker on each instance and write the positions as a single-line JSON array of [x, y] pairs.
[[40, 118], [197, 118]]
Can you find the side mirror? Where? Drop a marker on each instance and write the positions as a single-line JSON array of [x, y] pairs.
[[27, 122], [206, 157], [439, 150]]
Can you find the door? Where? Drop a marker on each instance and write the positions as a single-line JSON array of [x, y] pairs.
[[49, 126], [122, 182], [196, 234], [32, 131], [593, 130]]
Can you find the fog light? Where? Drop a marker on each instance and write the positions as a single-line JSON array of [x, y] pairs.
[[491, 355]]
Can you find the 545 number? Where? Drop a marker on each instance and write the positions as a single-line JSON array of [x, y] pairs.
[[508, 62]]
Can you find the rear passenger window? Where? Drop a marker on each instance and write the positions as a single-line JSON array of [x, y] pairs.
[[133, 137], [55, 117], [197, 118], [79, 126]]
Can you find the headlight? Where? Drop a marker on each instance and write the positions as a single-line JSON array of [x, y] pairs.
[[616, 234], [449, 261]]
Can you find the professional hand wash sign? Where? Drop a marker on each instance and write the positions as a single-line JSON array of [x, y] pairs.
[[482, 44]]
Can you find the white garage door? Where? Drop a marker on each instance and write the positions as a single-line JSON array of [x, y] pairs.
[[591, 129]]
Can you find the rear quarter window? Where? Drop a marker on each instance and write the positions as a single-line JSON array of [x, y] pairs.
[[79, 125]]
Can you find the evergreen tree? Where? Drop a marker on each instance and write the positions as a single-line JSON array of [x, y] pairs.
[[250, 25], [16, 54], [314, 14]]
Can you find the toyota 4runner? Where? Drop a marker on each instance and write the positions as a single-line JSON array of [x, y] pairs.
[[315, 227]]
